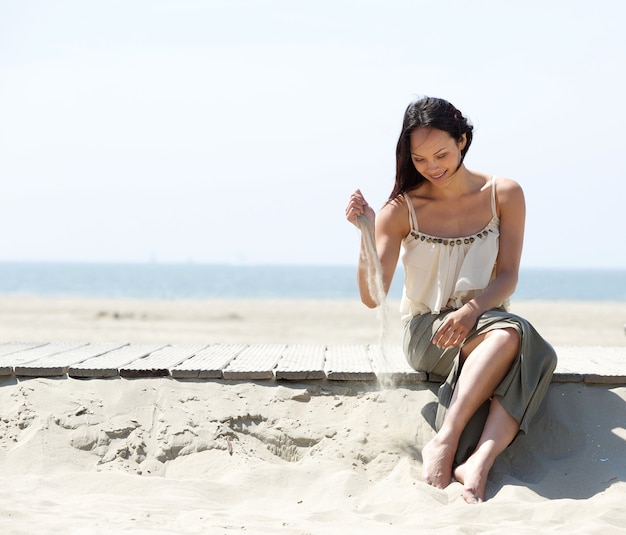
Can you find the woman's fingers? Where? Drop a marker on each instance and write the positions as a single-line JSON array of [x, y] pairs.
[[356, 206], [449, 335]]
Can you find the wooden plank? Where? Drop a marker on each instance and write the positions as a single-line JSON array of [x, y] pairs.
[[13, 360], [389, 364], [8, 348], [348, 363], [567, 377], [565, 369], [208, 363], [254, 363], [596, 365], [158, 364], [593, 365], [108, 365], [302, 363], [59, 364]]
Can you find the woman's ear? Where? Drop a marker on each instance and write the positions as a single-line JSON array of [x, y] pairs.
[[462, 141]]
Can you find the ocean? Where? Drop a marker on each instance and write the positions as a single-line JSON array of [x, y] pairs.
[[195, 281]]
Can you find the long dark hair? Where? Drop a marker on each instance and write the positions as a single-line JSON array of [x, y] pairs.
[[426, 112]]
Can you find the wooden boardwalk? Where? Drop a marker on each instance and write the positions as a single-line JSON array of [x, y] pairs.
[[241, 362]]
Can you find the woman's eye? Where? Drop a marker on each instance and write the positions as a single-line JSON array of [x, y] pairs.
[[441, 156]]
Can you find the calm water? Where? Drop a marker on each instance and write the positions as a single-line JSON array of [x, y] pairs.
[[170, 281]]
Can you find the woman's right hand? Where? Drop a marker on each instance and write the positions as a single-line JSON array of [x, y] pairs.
[[358, 206]]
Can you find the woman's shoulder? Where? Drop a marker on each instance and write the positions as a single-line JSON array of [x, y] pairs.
[[396, 205], [505, 182], [507, 188], [509, 196], [395, 215]]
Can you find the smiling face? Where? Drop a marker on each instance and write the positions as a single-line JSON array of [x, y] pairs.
[[436, 155]]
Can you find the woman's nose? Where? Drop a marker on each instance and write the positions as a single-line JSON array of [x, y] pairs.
[[432, 165]]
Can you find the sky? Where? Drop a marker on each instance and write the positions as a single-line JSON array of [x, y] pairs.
[[234, 131]]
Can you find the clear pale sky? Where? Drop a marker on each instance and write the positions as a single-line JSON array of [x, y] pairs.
[[234, 131]]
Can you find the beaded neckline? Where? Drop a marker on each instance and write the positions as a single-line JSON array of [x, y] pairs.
[[453, 241]]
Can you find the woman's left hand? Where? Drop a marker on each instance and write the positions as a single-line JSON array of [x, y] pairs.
[[455, 327]]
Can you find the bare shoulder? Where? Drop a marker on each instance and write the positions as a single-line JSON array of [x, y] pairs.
[[510, 198], [507, 185], [508, 190], [394, 217]]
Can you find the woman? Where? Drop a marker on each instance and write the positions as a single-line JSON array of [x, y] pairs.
[[461, 232]]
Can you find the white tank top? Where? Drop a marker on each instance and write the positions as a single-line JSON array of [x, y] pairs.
[[444, 273]]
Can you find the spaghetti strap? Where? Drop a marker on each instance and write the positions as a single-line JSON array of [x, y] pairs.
[[494, 212], [412, 215]]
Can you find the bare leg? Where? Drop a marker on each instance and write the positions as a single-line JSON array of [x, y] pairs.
[[500, 429], [487, 360]]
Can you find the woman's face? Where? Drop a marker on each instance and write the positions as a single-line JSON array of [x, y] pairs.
[[436, 154]]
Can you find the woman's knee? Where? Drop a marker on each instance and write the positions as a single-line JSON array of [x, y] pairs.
[[507, 339]]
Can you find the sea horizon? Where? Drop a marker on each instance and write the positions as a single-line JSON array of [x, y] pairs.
[[159, 280]]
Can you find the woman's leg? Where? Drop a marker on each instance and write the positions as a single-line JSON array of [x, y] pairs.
[[486, 360], [499, 431]]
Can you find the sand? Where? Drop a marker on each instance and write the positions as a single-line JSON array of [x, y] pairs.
[[271, 321], [167, 456]]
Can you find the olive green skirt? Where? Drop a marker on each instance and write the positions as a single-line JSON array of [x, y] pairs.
[[521, 391]]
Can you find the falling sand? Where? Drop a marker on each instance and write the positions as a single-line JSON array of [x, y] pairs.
[[377, 290]]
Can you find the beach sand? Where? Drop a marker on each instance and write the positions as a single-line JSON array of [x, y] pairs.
[[169, 456], [272, 321]]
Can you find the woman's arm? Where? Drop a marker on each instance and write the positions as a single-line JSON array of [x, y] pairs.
[[512, 213], [388, 232]]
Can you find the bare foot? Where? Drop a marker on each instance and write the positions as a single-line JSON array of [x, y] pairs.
[[473, 475], [437, 459]]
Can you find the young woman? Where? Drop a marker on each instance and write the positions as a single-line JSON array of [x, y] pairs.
[[461, 233]]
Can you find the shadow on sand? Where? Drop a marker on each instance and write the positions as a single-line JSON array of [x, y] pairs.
[[575, 447]]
